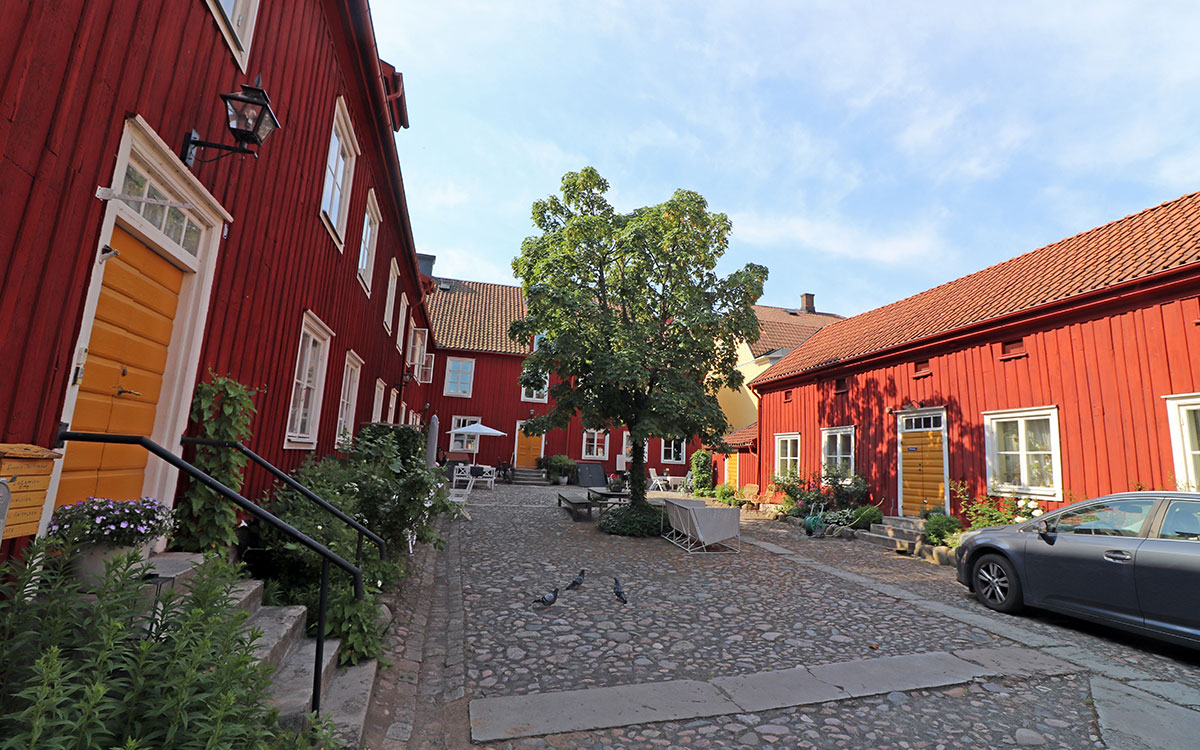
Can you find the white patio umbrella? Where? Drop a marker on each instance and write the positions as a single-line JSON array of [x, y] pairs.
[[478, 430]]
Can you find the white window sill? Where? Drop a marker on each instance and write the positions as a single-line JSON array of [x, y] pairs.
[[457, 395], [294, 444], [1040, 493], [535, 400], [333, 231]]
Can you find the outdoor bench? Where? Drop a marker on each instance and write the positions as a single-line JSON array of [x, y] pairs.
[[576, 503]]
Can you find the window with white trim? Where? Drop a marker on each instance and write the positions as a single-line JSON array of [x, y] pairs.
[[425, 371], [308, 384], [416, 344], [1183, 414], [463, 443], [403, 316], [236, 19], [460, 377], [673, 451], [837, 449], [536, 395], [627, 447], [370, 238], [787, 455], [348, 405], [176, 224], [377, 407], [1022, 452], [595, 444], [414, 419], [392, 406], [403, 411], [339, 173], [389, 305]]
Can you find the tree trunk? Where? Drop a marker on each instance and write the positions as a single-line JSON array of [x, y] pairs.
[[637, 473]]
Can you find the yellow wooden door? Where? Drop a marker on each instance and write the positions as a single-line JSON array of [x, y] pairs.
[[529, 450], [731, 470], [922, 471], [122, 377]]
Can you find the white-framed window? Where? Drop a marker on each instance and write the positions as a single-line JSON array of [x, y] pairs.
[[389, 305], [348, 405], [403, 316], [416, 344], [339, 173], [392, 406], [463, 443], [837, 449], [595, 444], [627, 447], [787, 454], [403, 412], [414, 419], [460, 377], [1022, 452], [674, 451], [308, 385], [370, 238], [425, 371], [236, 19], [377, 406], [1183, 417], [536, 395]]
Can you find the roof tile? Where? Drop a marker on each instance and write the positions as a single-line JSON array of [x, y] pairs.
[[475, 316], [786, 328]]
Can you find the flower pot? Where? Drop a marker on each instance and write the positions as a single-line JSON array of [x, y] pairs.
[[91, 562], [562, 480]]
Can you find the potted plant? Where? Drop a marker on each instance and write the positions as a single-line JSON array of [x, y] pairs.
[[616, 483], [559, 468], [101, 529]]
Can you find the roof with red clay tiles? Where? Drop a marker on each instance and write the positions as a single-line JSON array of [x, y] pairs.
[[1155, 240], [744, 436], [786, 328], [474, 316]]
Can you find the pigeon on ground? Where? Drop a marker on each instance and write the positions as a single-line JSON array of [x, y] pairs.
[[619, 592], [577, 581], [548, 599]]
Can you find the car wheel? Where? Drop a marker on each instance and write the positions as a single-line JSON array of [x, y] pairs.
[[996, 583]]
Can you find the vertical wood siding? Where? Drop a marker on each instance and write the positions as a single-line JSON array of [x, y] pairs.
[[1106, 374]]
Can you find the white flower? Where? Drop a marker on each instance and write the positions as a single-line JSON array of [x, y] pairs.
[[1038, 512], [1019, 519]]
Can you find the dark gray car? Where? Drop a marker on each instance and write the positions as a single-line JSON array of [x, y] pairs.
[[1130, 560]]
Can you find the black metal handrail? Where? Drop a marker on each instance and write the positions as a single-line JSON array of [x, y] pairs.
[[306, 492], [328, 556]]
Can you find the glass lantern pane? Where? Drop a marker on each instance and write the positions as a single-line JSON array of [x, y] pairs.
[[154, 214], [134, 185], [266, 126], [174, 226]]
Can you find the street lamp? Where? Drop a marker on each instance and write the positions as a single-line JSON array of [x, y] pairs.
[[250, 120]]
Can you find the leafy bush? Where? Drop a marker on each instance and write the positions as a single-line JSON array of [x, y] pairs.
[[842, 517], [121, 671], [845, 490], [559, 466], [702, 471], [927, 513], [637, 519], [939, 527], [222, 409], [800, 494], [993, 510], [724, 494], [865, 516]]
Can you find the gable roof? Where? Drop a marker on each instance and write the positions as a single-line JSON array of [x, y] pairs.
[[786, 328], [475, 316], [743, 437], [1145, 243]]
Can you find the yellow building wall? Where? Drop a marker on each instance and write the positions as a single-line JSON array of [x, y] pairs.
[[741, 406]]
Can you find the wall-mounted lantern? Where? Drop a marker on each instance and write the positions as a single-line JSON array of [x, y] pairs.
[[250, 120]]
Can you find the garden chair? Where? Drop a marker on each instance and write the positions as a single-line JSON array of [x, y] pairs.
[[657, 482], [459, 497]]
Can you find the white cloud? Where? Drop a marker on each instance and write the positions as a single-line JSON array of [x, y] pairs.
[[435, 198], [469, 265], [839, 238]]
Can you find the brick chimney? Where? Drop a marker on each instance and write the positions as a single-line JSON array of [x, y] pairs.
[[806, 303]]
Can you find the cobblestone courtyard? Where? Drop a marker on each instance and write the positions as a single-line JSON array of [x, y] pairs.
[[466, 629]]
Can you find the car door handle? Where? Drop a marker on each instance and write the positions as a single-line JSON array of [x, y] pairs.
[[1116, 555]]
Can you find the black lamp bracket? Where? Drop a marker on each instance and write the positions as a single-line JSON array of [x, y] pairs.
[[191, 142]]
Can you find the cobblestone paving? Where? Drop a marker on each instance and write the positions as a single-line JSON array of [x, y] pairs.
[[466, 628]]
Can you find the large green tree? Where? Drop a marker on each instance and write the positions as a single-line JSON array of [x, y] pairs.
[[630, 315]]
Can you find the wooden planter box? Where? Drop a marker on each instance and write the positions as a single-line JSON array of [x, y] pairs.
[[28, 468]]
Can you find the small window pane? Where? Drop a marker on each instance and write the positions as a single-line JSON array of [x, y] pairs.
[[174, 227], [154, 214], [1037, 434], [1008, 436], [1041, 470], [135, 185], [191, 238], [844, 441], [1010, 468]]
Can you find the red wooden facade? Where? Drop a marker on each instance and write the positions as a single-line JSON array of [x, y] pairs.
[[76, 74], [1106, 360]]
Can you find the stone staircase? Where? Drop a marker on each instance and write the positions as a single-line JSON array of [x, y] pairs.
[[529, 477], [345, 692], [898, 533]]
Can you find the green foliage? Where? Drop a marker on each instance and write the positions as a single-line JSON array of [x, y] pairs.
[[927, 513], [119, 670], [114, 523], [992, 510], [385, 485], [865, 516], [702, 470], [559, 466], [836, 489], [632, 520], [724, 494], [222, 409], [616, 485], [939, 527], [800, 494], [638, 327]]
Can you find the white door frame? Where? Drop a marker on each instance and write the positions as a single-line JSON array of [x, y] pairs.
[[140, 143], [517, 438], [900, 415]]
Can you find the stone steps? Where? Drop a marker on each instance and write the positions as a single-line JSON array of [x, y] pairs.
[[899, 533], [529, 477]]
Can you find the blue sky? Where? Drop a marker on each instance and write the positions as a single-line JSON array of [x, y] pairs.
[[863, 151]]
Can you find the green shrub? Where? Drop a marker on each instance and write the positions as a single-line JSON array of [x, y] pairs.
[[866, 515], [119, 671], [844, 490], [938, 528], [724, 494], [799, 493], [559, 466], [702, 472], [928, 513], [639, 519]]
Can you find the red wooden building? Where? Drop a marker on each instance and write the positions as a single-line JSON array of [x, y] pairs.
[[1064, 373], [476, 379], [127, 274]]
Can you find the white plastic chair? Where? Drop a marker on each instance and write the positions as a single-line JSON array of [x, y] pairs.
[[657, 482]]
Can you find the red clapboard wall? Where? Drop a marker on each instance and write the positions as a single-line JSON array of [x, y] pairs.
[[1106, 365], [72, 71]]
